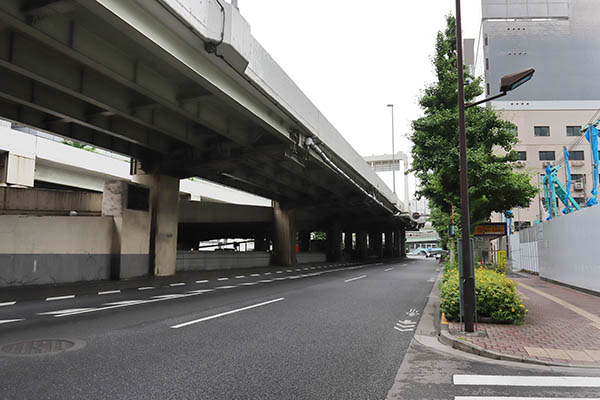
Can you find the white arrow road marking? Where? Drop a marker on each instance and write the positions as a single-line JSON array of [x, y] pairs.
[[514, 380], [226, 313], [7, 321], [353, 279], [412, 312], [403, 330]]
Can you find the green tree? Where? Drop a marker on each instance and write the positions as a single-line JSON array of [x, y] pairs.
[[493, 185]]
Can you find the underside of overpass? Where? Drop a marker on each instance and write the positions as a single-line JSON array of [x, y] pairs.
[[137, 78]]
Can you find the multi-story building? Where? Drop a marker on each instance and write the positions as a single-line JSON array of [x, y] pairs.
[[560, 39]]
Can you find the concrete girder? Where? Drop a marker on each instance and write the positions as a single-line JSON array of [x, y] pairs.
[[28, 58], [43, 121], [70, 40]]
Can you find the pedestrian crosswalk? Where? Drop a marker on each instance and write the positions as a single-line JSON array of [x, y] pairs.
[[513, 383]]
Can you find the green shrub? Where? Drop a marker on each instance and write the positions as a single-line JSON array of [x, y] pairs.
[[496, 295]]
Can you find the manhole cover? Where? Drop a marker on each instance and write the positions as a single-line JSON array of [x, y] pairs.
[[39, 347]]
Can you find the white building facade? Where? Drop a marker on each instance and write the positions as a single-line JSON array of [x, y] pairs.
[[559, 39]]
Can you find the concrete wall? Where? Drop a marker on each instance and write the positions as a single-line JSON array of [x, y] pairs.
[[216, 260], [15, 200], [52, 249], [305, 258], [567, 249]]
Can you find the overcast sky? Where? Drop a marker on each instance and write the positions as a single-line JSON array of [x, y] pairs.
[[352, 58]]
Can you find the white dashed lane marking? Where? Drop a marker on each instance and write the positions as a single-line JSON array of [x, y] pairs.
[[354, 279], [203, 281], [388, 269], [70, 296], [8, 321], [223, 279], [146, 288], [109, 292], [8, 303], [177, 284]]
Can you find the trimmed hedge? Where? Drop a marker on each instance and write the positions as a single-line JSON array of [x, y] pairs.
[[496, 296]]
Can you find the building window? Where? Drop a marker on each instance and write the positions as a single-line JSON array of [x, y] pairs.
[[515, 130], [487, 89], [541, 131], [547, 156], [487, 63], [580, 201], [522, 225], [522, 155], [576, 155], [486, 40], [573, 130]]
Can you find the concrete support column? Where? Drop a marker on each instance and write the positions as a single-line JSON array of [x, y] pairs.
[[397, 241], [129, 206], [403, 243], [334, 242], [304, 237], [376, 243], [348, 242], [284, 236], [389, 244], [260, 243], [164, 194], [361, 244]]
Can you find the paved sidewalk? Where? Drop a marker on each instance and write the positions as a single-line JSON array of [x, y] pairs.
[[562, 326]]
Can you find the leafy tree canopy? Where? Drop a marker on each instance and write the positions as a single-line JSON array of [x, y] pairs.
[[493, 185]]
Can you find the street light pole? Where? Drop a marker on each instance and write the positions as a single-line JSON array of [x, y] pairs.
[[467, 272], [393, 151]]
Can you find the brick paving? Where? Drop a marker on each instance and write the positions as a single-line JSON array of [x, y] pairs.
[[551, 331]]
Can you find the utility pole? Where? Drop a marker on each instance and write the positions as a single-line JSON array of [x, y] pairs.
[[393, 151], [467, 271]]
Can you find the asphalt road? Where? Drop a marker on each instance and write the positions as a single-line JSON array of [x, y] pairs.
[[323, 333]]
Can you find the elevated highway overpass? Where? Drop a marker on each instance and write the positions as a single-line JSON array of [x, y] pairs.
[[184, 89]]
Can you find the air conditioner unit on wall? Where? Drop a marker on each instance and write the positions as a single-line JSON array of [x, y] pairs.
[[578, 186]]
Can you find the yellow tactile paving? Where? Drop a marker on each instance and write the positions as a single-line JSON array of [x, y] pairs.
[[578, 355], [537, 352], [594, 354], [558, 354]]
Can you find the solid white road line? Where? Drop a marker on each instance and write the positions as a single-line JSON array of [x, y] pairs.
[[353, 279], [203, 281], [177, 284], [68, 310], [266, 281], [201, 291], [7, 303], [249, 283], [109, 292], [225, 287], [226, 313], [514, 380], [223, 279], [71, 296], [7, 321], [146, 288], [521, 398], [388, 269]]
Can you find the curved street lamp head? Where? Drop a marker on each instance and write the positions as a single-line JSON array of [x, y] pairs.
[[512, 81], [390, 105]]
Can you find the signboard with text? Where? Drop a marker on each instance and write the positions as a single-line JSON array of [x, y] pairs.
[[493, 229]]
